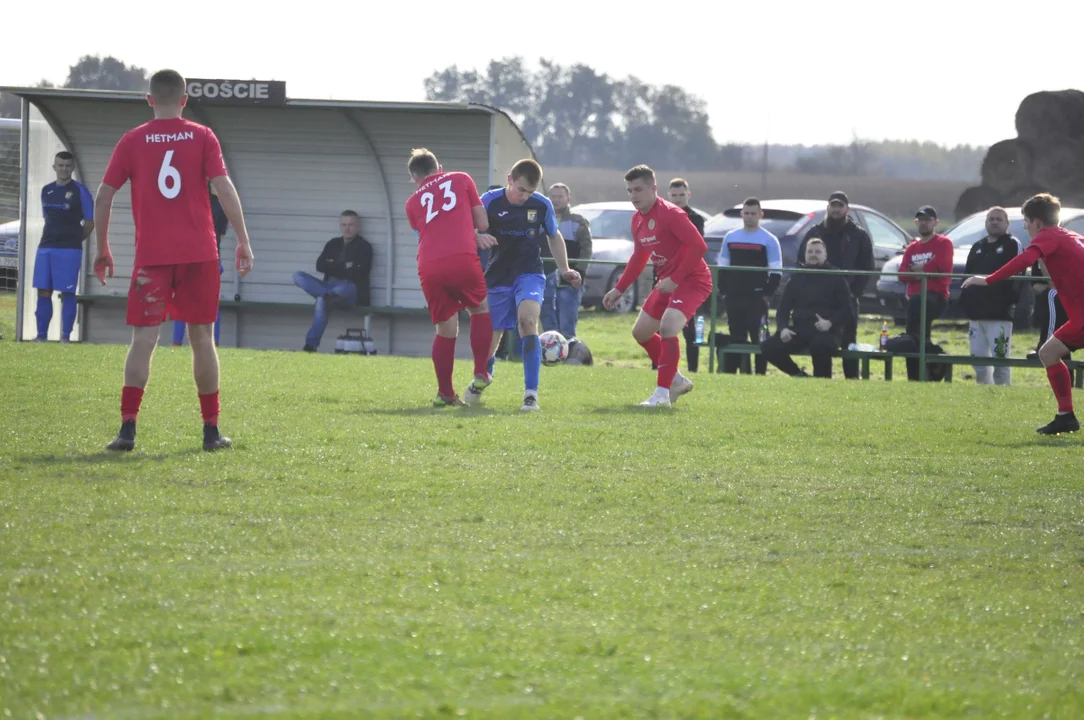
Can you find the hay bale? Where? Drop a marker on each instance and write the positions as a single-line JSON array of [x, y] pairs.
[[1045, 116], [1015, 198], [975, 199], [1007, 165], [1059, 165]]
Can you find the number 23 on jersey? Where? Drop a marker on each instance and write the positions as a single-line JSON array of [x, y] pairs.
[[428, 200]]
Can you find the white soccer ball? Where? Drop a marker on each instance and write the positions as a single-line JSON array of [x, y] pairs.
[[554, 347]]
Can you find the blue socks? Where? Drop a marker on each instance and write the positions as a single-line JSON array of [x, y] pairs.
[[44, 315], [68, 309], [178, 332], [532, 361]]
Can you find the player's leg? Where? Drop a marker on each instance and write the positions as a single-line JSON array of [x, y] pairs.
[[218, 316], [443, 311], [528, 289], [979, 340], [646, 328], [670, 325], [195, 300], [65, 265], [471, 286], [1052, 354], [178, 333], [502, 312], [43, 281], [1001, 331]]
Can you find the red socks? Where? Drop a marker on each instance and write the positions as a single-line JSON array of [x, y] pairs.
[[1062, 384], [668, 361], [209, 407], [654, 348], [444, 361], [130, 399], [481, 339]]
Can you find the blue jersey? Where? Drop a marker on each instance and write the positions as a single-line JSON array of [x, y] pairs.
[[520, 231], [65, 207]]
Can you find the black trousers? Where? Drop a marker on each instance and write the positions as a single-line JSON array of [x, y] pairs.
[[1048, 315], [820, 346], [935, 307], [850, 335], [744, 315]]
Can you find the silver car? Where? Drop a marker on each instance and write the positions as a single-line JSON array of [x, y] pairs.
[[611, 239]]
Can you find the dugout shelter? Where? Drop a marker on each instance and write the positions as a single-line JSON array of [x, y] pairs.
[[297, 165]]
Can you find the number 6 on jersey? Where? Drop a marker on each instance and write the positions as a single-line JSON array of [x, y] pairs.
[[167, 174]]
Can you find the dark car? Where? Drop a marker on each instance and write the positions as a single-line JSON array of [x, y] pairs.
[[9, 254], [611, 239], [891, 291], [790, 220]]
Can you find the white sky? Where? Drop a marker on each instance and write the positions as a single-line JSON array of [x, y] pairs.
[[951, 71]]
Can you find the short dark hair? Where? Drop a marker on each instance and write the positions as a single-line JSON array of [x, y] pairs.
[[527, 170], [679, 183], [640, 172], [814, 241], [348, 213], [422, 163], [1043, 207], [561, 186], [168, 86], [750, 201], [63, 155]]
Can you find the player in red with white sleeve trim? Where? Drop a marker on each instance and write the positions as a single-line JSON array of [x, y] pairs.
[[663, 233], [175, 274], [1062, 252], [446, 212]]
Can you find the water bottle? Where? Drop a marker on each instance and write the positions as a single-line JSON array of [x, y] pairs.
[[884, 336], [1001, 345], [764, 328], [699, 329]]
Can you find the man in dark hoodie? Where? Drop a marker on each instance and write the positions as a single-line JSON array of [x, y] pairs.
[[814, 310], [849, 248], [990, 308]]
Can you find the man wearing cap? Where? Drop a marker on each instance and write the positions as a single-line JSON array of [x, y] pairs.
[[930, 253], [849, 248]]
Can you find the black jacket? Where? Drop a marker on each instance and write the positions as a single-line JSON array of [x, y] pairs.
[[353, 262], [810, 294], [992, 302], [576, 231], [848, 249]]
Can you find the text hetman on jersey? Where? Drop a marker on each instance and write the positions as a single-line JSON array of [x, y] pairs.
[[170, 137]]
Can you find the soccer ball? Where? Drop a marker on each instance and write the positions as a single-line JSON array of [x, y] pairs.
[[554, 347]]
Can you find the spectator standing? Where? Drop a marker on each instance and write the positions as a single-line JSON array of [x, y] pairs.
[[990, 308], [561, 301], [680, 194]]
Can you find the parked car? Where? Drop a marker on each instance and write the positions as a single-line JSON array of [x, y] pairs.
[[891, 291], [611, 239], [790, 220], [9, 253]]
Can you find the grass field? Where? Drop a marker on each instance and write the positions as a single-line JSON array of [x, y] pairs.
[[767, 548]]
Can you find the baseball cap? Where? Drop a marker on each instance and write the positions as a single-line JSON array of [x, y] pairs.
[[838, 196], [927, 211]]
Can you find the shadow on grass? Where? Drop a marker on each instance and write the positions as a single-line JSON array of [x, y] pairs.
[[631, 410], [1074, 440]]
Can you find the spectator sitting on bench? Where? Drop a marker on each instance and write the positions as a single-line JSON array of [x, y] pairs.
[[813, 313], [345, 262]]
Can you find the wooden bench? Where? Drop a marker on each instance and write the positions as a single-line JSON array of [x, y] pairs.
[[1076, 367]]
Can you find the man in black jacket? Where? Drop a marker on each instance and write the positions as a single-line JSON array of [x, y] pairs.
[[345, 262], [849, 248], [812, 314], [990, 308], [679, 195]]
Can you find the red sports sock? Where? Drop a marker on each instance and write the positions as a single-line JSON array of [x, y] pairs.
[[208, 405], [653, 347], [668, 361], [481, 339], [1062, 383], [443, 362], [130, 399]]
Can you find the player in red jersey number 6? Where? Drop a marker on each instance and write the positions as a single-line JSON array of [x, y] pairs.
[[175, 274], [663, 233]]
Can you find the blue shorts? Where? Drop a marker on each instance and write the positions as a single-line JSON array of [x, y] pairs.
[[57, 269], [504, 301]]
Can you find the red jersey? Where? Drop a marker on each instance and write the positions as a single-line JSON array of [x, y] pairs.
[[937, 254], [667, 237], [441, 211], [169, 163], [1063, 253]]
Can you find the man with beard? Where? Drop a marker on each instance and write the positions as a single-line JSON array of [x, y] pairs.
[[930, 253], [849, 248], [812, 314]]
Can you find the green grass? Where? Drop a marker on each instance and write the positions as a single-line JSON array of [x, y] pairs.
[[767, 548]]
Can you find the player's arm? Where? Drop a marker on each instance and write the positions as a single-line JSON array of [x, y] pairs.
[[103, 209], [635, 266], [1023, 260], [231, 205], [557, 245]]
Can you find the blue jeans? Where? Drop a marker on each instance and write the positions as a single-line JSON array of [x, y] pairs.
[[561, 307], [342, 291]]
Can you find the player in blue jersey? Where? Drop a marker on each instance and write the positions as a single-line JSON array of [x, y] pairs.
[[520, 217], [68, 208]]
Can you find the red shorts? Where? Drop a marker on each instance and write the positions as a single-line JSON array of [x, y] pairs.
[[1072, 334], [689, 296], [453, 284], [187, 292]]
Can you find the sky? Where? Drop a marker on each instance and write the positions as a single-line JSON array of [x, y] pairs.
[[952, 71]]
